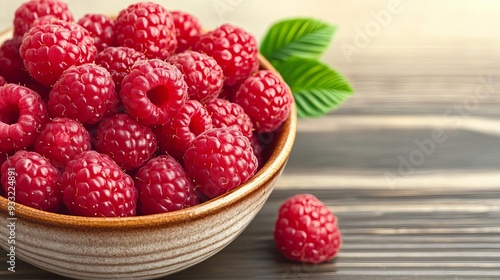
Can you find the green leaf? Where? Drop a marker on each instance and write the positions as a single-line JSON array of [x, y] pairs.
[[317, 88], [301, 37]]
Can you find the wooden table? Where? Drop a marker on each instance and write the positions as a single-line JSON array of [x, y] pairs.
[[409, 164]]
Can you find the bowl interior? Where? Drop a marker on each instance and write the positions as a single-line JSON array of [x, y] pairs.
[[280, 146]]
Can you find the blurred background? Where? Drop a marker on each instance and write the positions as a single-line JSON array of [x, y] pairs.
[[414, 66]]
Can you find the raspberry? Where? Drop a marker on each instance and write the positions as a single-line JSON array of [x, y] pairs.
[[118, 61], [175, 137], [30, 11], [11, 63], [83, 93], [153, 92], [128, 142], [100, 28], [306, 230], [23, 116], [2, 81], [187, 30], [163, 186], [34, 180], [266, 99], [49, 49], [148, 28], [202, 74], [219, 160], [62, 140], [234, 49], [93, 185], [227, 114]]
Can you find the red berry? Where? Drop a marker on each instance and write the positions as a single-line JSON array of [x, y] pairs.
[[153, 92], [266, 99], [187, 30], [23, 115], [128, 142], [95, 186], [306, 230], [118, 61], [176, 136], [227, 114], [62, 140], [11, 63], [84, 93], [219, 160], [34, 180], [2, 81], [31, 10], [148, 28], [234, 49], [49, 49], [163, 186], [100, 28], [202, 74]]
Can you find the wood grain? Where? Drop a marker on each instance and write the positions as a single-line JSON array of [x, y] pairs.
[[422, 73]]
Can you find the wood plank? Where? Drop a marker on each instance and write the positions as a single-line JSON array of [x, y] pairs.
[[386, 234]]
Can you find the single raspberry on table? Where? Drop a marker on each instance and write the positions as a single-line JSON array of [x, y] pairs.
[[234, 49], [93, 185], [219, 160], [62, 140], [23, 115], [118, 61], [266, 99], [203, 76], [154, 91], [306, 230], [128, 142], [11, 63], [35, 181], [227, 114], [187, 30], [31, 10], [164, 187], [148, 28], [84, 93], [176, 136], [101, 28], [49, 49]]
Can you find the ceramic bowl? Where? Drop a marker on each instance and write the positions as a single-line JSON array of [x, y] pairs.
[[144, 247]]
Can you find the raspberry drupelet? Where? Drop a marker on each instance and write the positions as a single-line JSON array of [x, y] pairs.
[[101, 28], [62, 140], [146, 27], [128, 142], [187, 30], [306, 230], [266, 99], [84, 93], [203, 76], [164, 187], [93, 185], [153, 92], [219, 160], [176, 136], [49, 49], [23, 115], [234, 49], [36, 182], [31, 10]]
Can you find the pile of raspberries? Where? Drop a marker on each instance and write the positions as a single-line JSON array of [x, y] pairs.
[[139, 114]]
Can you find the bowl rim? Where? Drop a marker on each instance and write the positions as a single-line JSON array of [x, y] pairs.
[[268, 172]]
